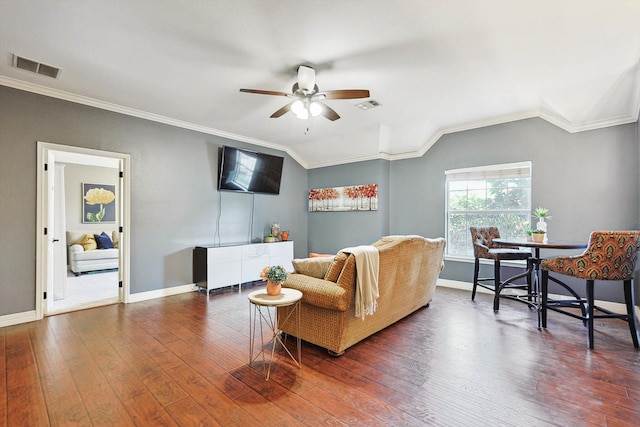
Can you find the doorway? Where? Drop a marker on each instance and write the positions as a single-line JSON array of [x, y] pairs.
[[55, 283]]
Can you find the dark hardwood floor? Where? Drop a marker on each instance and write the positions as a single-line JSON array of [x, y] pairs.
[[182, 360]]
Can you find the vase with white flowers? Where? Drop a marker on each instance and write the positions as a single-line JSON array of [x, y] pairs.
[[275, 275]]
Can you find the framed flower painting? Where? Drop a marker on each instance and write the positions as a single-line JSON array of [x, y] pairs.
[[98, 203]]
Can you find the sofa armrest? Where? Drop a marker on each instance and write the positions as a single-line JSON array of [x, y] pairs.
[[318, 292], [75, 248]]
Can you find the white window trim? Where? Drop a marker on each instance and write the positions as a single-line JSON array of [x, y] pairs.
[[487, 169]]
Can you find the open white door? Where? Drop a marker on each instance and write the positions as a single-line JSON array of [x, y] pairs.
[[121, 239], [51, 241], [59, 290]]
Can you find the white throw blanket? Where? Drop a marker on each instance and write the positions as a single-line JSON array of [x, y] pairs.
[[367, 268]]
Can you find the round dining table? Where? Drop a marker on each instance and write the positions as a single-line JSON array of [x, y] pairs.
[[537, 298]]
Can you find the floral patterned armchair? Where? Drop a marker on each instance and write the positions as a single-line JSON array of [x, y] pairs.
[[611, 255]]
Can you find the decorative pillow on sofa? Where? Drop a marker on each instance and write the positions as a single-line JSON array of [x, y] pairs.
[[314, 267], [317, 255], [336, 267], [103, 240], [88, 242]]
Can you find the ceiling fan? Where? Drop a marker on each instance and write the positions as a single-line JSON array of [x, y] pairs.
[[306, 96]]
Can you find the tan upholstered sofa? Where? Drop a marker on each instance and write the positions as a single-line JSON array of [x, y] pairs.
[[408, 271]]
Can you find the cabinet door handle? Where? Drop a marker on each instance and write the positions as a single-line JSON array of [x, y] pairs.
[[56, 240]]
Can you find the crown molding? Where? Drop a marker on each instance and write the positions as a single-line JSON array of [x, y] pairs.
[[347, 160], [554, 119], [570, 127], [546, 115], [92, 102]]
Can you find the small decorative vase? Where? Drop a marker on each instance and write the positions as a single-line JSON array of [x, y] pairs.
[[273, 289], [275, 230], [542, 225]]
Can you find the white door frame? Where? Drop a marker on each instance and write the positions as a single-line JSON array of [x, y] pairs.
[[43, 221]]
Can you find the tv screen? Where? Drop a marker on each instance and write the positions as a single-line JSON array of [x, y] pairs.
[[249, 172]]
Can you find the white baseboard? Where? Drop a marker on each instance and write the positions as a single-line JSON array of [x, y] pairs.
[[17, 318], [467, 286], [30, 316], [160, 293]]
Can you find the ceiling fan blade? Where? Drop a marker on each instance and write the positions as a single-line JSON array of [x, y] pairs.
[[265, 92], [306, 78], [344, 94], [329, 113], [282, 111]]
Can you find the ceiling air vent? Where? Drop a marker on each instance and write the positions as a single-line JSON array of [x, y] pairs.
[[368, 105], [36, 67]]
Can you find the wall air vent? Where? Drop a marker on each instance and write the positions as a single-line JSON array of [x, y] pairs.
[[368, 105], [36, 67]]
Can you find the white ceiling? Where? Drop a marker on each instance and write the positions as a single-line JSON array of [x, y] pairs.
[[434, 66]]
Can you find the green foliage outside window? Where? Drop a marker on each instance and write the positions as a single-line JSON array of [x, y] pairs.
[[505, 203]]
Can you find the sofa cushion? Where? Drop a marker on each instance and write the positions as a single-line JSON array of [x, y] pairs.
[[74, 236], [317, 255], [88, 242], [319, 292], [314, 267], [103, 240], [336, 267]]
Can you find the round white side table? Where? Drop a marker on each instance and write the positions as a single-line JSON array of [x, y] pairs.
[[260, 314]]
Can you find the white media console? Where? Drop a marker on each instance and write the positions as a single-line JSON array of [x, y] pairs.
[[219, 266]]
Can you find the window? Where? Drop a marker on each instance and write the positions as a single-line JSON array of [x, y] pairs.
[[497, 195]]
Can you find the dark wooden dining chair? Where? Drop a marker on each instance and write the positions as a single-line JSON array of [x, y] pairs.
[[610, 256], [485, 248]]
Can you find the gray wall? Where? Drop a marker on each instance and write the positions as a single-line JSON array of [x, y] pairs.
[[174, 201], [588, 180], [331, 231]]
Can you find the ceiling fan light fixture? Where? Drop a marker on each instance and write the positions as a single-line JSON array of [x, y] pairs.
[[303, 115], [306, 97], [297, 107], [315, 109]]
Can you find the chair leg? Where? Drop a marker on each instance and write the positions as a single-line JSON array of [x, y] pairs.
[[631, 312], [590, 302], [544, 297], [476, 270], [530, 279], [496, 286]]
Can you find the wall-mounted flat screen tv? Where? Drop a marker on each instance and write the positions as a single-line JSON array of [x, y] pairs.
[[249, 172]]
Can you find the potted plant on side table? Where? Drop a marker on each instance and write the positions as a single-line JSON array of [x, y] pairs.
[[274, 275]]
